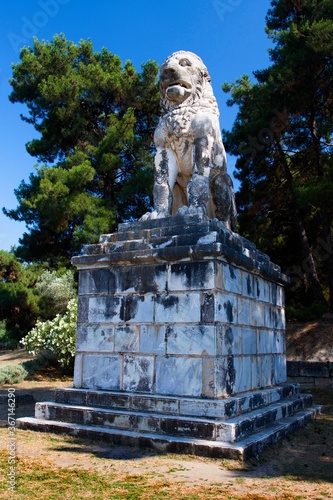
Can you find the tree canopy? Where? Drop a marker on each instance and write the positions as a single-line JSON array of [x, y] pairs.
[[18, 298], [95, 119], [283, 139]]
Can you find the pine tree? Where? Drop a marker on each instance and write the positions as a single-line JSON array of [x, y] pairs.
[[95, 118], [283, 137]]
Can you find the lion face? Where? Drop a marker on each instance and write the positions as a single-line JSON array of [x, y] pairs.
[[183, 76]]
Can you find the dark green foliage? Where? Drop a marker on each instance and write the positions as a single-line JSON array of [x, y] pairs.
[[283, 139], [96, 119], [18, 299]]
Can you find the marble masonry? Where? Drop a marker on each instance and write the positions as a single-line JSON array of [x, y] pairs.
[[181, 321]]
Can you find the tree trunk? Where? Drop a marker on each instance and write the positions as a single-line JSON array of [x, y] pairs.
[[308, 263]]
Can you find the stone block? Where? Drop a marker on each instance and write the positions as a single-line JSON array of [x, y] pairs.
[[95, 338], [248, 285], [101, 372], [226, 308], [258, 314], [262, 289], [249, 341], [266, 368], [275, 318], [255, 373], [78, 370], [208, 377], [232, 279], [244, 311], [94, 281], [279, 372], [278, 342], [138, 373], [191, 276], [242, 367], [277, 295], [313, 369], [224, 376], [180, 308], [228, 340], [83, 310], [152, 339], [180, 376], [104, 309], [264, 341], [293, 369], [207, 314], [142, 279], [126, 338], [191, 340]]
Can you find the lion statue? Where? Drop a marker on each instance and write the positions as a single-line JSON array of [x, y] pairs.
[[190, 162]]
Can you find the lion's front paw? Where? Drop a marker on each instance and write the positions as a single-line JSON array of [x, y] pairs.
[[154, 215], [192, 210]]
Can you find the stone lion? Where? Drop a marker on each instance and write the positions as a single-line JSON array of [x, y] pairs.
[[190, 162]]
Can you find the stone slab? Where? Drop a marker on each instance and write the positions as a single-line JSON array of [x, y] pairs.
[[244, 449]]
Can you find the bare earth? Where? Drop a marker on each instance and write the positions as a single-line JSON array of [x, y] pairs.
[[300, 467]]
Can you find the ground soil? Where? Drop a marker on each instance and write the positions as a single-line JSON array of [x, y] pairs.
[[311, 341], [299, 467]]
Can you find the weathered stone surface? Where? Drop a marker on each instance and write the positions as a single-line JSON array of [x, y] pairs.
[[138, 373], [179, 375], [190, 161], [194, 304], [103, 372]]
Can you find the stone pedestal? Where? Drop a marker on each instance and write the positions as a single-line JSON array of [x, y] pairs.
[[180, 342], [179, 307]]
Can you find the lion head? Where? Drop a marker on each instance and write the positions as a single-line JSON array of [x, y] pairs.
[[185, 81]]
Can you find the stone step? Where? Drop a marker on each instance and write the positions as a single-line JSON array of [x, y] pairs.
[[156, 232], [239, 427], [184, 406], [201, 428], [244, 449]]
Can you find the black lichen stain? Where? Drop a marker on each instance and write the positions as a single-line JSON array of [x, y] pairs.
[[228, 309], [230, 375], [249, 285], [232, 273], [104, 280], [258, 289], [169, 301], [144, 383], [230, 408], [229, 340], [208, 308], [196, 274], [129, 307], [111, 307], [142, 279], [257, 401]]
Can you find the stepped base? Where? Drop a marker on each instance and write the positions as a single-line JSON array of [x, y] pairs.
[[242, 450], [236, 427]]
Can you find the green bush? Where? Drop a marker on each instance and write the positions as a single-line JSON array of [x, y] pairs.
[[56, 335], [55, 292], [12, 374]]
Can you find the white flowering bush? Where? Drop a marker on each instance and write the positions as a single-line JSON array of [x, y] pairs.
[[56, 335]]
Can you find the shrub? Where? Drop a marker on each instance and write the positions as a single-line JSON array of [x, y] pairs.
[[55, 292], [56, 335], [12, 374]]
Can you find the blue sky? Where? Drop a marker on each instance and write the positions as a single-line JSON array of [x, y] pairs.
[[227, 34]]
